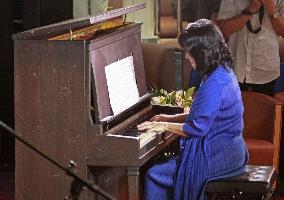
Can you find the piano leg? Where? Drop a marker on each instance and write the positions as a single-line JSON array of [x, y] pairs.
[[133, 183]]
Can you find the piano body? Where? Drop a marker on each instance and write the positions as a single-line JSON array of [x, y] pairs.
[[62, 107]]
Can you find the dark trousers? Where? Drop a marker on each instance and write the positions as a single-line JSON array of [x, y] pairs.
[[266, 88]]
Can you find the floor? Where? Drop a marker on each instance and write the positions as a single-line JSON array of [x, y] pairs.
[[7, 183]]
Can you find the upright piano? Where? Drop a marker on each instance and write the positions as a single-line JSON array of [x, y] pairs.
[[63, 107]]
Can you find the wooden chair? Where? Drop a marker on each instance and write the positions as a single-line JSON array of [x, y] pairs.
[[280, 96], [262, 132], [167, 21], [262, 128]]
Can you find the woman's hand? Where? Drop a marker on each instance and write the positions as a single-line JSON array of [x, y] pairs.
[[153, 126], [161, 118]]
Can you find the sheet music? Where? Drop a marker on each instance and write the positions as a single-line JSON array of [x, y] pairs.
[[121, 83]]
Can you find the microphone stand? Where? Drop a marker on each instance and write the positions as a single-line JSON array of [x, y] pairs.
[[78, 182]]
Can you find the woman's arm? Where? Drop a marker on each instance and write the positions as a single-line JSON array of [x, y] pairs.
[[163, 122], [176, 128], [177, 118]]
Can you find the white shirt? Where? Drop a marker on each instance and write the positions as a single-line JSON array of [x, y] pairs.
[[256, 56]]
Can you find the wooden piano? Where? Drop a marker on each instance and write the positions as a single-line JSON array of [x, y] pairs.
[[62, 106]]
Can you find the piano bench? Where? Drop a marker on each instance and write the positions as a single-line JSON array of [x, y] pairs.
[[257, 183]]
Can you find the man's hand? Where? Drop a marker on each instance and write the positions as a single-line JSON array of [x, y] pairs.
[[153, 126], [254, 5], [270, 6]]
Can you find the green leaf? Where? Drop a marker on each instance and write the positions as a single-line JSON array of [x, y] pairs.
[[189, 93], [173, 97], [163, 92]]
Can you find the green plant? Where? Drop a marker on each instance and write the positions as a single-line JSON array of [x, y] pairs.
[[175, 98]]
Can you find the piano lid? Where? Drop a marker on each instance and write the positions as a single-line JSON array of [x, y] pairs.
[[74, 24]]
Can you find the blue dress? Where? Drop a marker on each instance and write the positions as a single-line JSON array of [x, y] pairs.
[[215, 147]]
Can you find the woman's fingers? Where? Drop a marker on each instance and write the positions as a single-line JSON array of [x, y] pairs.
[[154, 126], [155, 118], [160, 118], [144, 125]]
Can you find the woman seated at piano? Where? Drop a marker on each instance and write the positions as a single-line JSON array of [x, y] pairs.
[[211, 144]]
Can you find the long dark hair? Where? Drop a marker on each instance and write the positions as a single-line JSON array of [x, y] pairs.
[[206, 44]]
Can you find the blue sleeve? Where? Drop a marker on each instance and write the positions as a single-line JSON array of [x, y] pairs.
[[200, 125], [204, 109]]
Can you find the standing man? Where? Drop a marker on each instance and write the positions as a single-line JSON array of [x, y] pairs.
[[252, 28]]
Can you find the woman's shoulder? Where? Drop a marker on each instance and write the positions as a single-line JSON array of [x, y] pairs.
[[217, 81], [209, 94], [215, 86], [221, 76]]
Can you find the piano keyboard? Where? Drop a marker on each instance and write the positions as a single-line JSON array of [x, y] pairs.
[[145, 136]]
